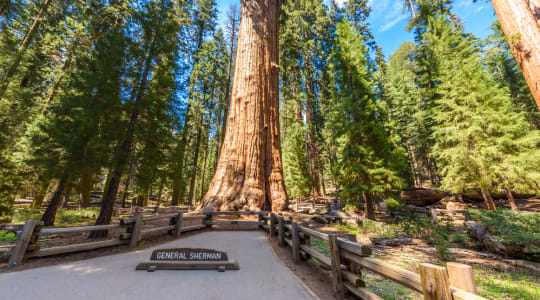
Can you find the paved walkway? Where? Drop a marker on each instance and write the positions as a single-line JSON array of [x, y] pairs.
[[261, 275]]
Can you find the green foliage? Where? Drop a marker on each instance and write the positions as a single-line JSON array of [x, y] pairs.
[[392, 204], [7, 236], [22, 215], [502, 64], [63, 217], [368, 161], [511, 227]]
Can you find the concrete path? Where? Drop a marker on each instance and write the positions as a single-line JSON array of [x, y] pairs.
[[261, 275]]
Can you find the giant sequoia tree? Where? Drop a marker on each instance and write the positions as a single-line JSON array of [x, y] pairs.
[[520, 20], [249, 175]]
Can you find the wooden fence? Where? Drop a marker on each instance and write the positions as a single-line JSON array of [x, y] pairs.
[[29, 234], [128, 211], [348, 258], [346, 261]]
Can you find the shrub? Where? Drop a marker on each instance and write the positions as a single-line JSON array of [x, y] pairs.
[[7, 236], [392, 204]]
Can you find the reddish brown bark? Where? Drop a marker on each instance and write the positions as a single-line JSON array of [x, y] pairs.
[[249, 175], [511, 199], [50, 214], [488, 199], [520, 21], [369, 212]]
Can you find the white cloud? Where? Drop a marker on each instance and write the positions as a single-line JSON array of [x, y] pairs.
[[392, 23], [386, 14]]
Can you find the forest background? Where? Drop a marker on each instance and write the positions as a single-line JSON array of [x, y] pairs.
[[131, 98]]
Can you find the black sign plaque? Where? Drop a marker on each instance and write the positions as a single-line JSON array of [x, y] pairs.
[[188, 254]]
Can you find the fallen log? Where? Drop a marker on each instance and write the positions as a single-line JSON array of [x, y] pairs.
[[426, 195]]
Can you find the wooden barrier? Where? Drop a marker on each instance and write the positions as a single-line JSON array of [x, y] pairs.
[[28, 234], [346, 261], [348, 258], [261, 222]]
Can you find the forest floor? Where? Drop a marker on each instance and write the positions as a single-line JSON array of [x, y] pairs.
[[496, 277]]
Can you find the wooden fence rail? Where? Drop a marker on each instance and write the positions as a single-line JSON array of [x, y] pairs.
[[347, 260], [28, 246]]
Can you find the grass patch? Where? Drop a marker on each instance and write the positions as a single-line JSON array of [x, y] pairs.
[[369, 226], [321, 246], [63, 217], [387, 289], [494, 284]]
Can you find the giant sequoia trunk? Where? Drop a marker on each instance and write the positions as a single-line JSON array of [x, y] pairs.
[[521, 19], [249, 175]]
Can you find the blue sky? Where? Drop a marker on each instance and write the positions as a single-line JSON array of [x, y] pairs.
[[388, 20]]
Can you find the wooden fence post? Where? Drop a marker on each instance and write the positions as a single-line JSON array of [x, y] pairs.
[[17, 255], [209, 219], [136, 228], [295, 236], [281, 235], [272, 224], [260, 219], [462, 277], [337, 275], [178, 224], [435, 282]]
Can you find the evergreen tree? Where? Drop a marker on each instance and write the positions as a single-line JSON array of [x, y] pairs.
[[503, 65], [479, 138], [367, 162], [405, 107]]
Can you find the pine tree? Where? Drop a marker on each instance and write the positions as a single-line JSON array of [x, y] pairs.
[[479, 139], [366, 158], [405, 107], [503, 65]]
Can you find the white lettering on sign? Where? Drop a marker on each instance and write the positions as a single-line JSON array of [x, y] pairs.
[[204, 256], [188, 254], [170, 255]]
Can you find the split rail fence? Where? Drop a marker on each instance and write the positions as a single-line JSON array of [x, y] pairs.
[[131, 231], [348, 258]]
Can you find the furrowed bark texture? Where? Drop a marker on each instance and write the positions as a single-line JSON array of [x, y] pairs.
[[520, 20], [249, 175]]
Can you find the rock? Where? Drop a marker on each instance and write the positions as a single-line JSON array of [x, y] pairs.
[[351, 221], [391, 242]]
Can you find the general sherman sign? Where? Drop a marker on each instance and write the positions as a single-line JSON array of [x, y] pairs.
[[188, 254]]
